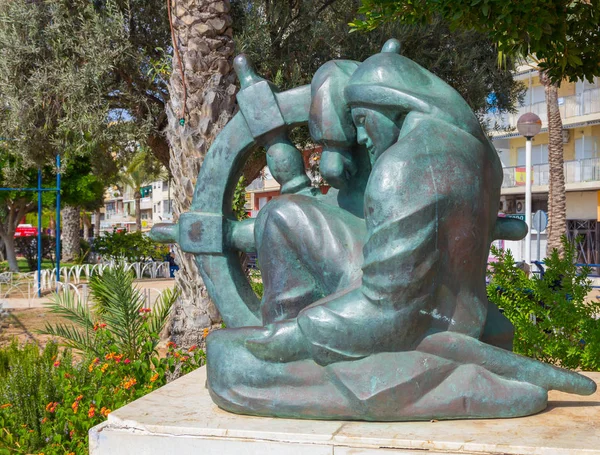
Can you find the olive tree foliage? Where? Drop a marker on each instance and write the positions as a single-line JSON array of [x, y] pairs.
[[58, 85], [560, 37], [55, 56], [141, 73]]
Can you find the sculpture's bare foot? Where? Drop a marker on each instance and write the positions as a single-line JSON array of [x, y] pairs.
[[279, 342], [467, 350]]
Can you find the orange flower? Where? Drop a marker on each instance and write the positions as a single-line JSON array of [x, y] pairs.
[[177, 355], [57, 364], [104, 367], [92, 411], [205, 333], [104, 412], [91, 367], [171, 344], [51, 407], [129, 383], [6, 405], [96, 360], [44, 420], [154, 377], [79, 398], [75, 406], [71, 453], [110, 356], [192, 348], [71, 433], [117, 358]]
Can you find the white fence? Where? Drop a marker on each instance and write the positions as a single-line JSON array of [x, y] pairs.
[[24, 286], [76, 273], [82, 293]]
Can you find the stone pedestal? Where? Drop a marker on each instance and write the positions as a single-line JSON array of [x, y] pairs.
[[181, 419]]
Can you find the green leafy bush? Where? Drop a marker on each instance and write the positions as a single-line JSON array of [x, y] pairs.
[[129, 246], [27, 246], [554, 322]]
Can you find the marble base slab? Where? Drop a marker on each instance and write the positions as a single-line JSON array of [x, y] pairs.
[[180, 418]]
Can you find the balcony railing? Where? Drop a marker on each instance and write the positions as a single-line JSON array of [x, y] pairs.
[[584, 103], [578, 171]]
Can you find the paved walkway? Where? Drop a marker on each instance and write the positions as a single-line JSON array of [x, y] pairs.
[[152, 287]]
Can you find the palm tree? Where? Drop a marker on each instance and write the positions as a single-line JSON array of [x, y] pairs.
[[141, 170], [557, 204], [202, 100], [118, 304]]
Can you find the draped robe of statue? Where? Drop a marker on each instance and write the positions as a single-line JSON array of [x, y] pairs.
[[375, 304]]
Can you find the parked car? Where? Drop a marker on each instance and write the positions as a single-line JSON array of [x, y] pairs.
[[26, 230]]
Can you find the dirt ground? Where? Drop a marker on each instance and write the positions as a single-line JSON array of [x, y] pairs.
[[23, 325]]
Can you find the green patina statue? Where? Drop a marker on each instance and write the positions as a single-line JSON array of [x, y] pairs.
[[375, 304]]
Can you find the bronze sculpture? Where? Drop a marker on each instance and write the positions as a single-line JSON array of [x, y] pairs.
[[375, 305]]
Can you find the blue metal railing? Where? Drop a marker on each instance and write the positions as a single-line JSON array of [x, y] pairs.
[[39, 191]]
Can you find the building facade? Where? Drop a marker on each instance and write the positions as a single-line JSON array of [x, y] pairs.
[[119, 207], [579, 105]]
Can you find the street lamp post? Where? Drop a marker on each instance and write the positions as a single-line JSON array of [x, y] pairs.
[[528, 126]]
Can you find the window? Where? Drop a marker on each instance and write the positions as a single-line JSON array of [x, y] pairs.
[[539, 155], [535, 95], [167, 206], [586, 147]]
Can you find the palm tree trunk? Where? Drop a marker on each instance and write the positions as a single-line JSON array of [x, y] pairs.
[[71, 237], [97, 224], [557, 207], [203, 36], [138, 210], [87, 224]]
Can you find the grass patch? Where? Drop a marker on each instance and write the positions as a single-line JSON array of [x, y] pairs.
[[46, 264]]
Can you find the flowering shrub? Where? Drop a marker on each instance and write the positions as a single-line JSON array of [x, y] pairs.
[[49, 401]]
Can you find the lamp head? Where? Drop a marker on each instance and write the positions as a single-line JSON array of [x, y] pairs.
[[529, 125]]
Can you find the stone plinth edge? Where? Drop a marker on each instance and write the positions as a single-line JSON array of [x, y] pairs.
[[180, 418]]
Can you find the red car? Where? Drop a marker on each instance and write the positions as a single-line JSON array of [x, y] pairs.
[[26, 230]]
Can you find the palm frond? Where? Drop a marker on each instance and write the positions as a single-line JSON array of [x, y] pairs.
[[80, 334], [119, 302], [67, 306], [71, 337], [162, 309], [113, 284]]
